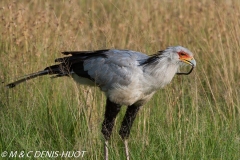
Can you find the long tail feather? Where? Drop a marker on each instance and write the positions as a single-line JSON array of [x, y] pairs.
[[67, 66], [27, 77]]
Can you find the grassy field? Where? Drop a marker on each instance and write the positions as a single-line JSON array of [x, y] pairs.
[[195, 117]]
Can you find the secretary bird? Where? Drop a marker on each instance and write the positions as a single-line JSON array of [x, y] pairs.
[[126, 77]]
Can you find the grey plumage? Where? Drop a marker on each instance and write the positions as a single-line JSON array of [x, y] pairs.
[[126, 77]]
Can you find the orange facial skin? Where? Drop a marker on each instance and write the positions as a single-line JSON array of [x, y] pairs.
[[185, 57]]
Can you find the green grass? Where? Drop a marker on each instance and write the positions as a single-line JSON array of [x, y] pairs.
[[194, 117]]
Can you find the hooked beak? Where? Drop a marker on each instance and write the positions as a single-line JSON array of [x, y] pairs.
[[191, 61]]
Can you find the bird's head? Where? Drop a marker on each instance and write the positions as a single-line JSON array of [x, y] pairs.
[[180, 55]]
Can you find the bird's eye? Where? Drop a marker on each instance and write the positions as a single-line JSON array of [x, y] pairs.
[[182, 54]]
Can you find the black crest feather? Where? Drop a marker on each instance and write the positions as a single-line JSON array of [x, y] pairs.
[[153, 58]]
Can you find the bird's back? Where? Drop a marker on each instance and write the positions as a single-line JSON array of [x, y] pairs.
[[111, 68]]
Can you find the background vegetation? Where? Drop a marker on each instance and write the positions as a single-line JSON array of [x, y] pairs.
[[195, 117]]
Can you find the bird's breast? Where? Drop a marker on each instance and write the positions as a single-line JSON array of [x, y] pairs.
[[130, 94]]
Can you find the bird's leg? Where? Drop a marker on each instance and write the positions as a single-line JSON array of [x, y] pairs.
[[112, 109], [106, 149], [111, 112], [126, 149], [127, 124]]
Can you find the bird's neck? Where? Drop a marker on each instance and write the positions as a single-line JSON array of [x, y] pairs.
[[160, 73]]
